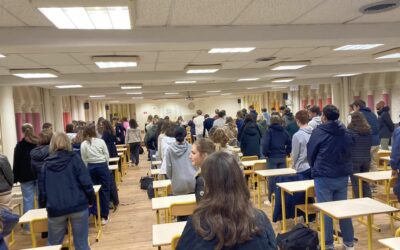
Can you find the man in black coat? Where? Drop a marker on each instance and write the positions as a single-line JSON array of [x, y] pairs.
[[386, 126]]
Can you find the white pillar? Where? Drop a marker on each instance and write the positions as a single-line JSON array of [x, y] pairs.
[[74, 109], [94, 111], [58, 114], [48, 107], [7, 122], [90, 111], [81, 110]]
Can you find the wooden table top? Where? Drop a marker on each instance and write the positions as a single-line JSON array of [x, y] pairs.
[[121, 149], [112, 167], [381, 151], [163, 233], [113, 159], [384, 158], [376, 175], [96, 188], [156, 163], [161, 183], [354, 208], [392, 243], [252, 163], [296, 186], [276, 172], [155, 171], [165, 202], [55, 247]]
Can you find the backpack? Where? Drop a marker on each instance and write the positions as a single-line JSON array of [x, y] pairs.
[[150, 191], [299, 238], [145, 181]]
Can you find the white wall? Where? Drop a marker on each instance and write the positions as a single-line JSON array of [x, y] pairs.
[[175, 108]]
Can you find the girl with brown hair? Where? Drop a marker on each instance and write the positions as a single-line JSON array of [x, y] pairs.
[[226, 218], [360, 151]]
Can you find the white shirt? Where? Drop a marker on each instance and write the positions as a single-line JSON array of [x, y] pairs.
[[198, 123], [94, 152]]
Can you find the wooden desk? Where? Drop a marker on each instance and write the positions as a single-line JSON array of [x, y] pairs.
[[352, 208], [248, 164], [386, 160], [56, 247], [121, 149], [155, 173], [291, 188], [161, 203], [113, 159], [392, 243], [163, 233], [156, 163], [270, 173], [161, 184]]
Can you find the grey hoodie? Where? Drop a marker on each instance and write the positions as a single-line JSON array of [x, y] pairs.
[[315, 122], [299, 149], [180, 169]]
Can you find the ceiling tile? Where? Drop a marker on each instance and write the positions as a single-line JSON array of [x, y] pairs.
[[8, 20], [269, 12], [86, 58], [206, 12], [71, 69], [152, 12], [16, 61], [287, 53], [4, 71], [206, 58], [170, 66], [177, 56], [26, 12], [253, 55], [234, 65], [52, 59], [385, 17]]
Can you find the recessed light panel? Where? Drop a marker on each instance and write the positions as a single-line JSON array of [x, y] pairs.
[[250, 88], [104, 62], [97, 96], [388, 54], [131, 86], [289, 65], [34, 73], [2, 56], [202, 69], [231, 50], [69, 86], [283, 79], [226, 94], [185, 82], [171, 93], [358, 46], [347, 74], [137, 97], [134, 93], [247, 79], [213, 91]]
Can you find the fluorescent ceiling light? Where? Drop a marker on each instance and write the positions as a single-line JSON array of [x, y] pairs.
[[112, 17], [213, 91], [388, 54], [279, 87], [249, 88], [289, 65], [114, 101], [171, 93], [105, 62], [358, 46], [137, 97], [202, 69], [2, 56], [347, 74], [34, 73], [247, 79], [231, 50], [283, 79], [226, 94], [69, 86], [184, 82], [97, 96], [134, 93], [131, 86]]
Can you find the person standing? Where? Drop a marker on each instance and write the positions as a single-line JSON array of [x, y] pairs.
[[267, 116], [220, 121], [253, 112], [134, 138], [199, 124], [22, 168], [299, 146], [208, 124], [6, 182], [250, 137], [395, 161], [314, 114], [329, 156], [386, 126]]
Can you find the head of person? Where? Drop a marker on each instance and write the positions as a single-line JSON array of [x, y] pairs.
[[47, 126], [133, 123], [287, 111], [351, 108], [301, 118], [199, 112], [201, 148], [79, 138], [239, 114], [168, 129], [206, 116], [149, 118], [124, 119], [107, 127], [211, 132], [180, 134], [251, 107], [69, 128], [216, 111], [225, 211], [89, 132], [220, 138], [155, 119], [282, 109], [260, 118], [244, 112], [180, 119], [221, 114], [29, 135], [314, 111], [276, 120], [44, 137], [166, 118], [248, 118], [380, 105], [229, 120], [330, 113], [273, 109], [59, 142], [359, 123], [359, 104], [99, 125], [263, 110]]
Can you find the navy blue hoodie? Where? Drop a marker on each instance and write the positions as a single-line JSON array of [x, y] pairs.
[[250, 137], [329, 150], [372, 120], [276, 143], [65, 184]]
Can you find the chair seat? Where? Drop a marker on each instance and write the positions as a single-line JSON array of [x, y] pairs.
[[311, 208], [383, 198]]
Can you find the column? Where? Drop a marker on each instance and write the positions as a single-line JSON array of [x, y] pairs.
[[48, 107], [385, 97], [328, 100], [36, 117], [320, 104], [94, 111], [7, 122], [58, 114], [81, 110], [370, 98], [74, 109], [28, 115], [18, 120]]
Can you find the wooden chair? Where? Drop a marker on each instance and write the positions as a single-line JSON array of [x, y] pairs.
[[181, 209], [175, 241], [41, 225], [382, 166], [307, 207], [253, 179], [389, 198], [249, 158]]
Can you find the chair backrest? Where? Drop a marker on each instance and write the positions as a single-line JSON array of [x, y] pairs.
[[38, 226], [389, 186], [397, 234], [310, 193], [249, 158], [182, 209], [259, 166], [174, 241]]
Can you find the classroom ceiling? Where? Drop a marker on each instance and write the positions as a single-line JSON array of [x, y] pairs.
[[168, 35]]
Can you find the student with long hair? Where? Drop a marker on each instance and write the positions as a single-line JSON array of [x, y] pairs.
[[226, 218], [360, 131], [95, 155], [134, 138], [66, 191], [201, 149], [22, 168], [221, 139], [250, 137]]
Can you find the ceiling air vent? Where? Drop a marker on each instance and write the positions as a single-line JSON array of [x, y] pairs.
[[379, 7], [265, 59]]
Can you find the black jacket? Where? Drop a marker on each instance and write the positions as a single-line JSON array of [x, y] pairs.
[[199, 188], [361, 147], [250, 137], [38, 155], [6, 175], [386, 126], [111, 141], [65, 185], [373, 122], [329, 150], [22, 162], [264, 241], [120, 132], [276, 143]]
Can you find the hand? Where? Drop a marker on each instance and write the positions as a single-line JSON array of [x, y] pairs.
[[394, 173]]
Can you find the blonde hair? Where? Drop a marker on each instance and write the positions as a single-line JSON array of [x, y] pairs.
[[27, 129], [220, 138], [60, 141]]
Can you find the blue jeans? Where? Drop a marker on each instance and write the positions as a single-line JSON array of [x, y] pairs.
[[274, 163], [334, 189], [80, 229], [28, 190], [100, 175]]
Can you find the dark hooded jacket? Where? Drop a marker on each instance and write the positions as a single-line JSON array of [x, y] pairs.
[[276, 142], [290, 124], [329, 150], [386, 126], [361, 147], [22, 162], [38, 155], [250, 137], [65, 184], [373, 122]]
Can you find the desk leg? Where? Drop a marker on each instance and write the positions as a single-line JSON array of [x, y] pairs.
[[369, 232], [259, 191], [360, 190], [98, 217], [283, 211], [158, 216], [322, 221]]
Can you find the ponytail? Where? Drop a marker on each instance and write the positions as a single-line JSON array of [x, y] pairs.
[[27, 129]]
